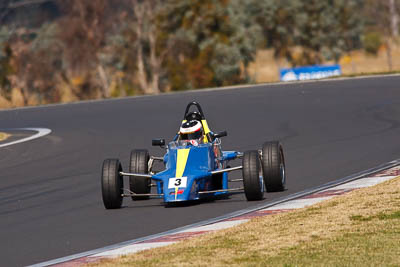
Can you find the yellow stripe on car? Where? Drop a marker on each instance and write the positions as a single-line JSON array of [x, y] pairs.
[[182, 156], [206, 130], [205, 127]]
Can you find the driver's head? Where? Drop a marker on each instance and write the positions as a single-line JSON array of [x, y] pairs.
[[191, 130]]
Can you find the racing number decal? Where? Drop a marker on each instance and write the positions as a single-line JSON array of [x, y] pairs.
[[177, 182]]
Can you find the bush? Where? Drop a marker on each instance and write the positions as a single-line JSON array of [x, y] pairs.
[[372, 41]]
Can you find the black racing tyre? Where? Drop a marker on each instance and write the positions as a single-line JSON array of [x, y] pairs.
[[139, 164], [252, 178], [273, 165], [112, 184]]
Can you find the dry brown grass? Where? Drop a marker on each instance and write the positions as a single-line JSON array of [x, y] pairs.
[[360, 228], [3, 136], [266, 69]]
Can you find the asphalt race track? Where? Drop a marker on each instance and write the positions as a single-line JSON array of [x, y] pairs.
[[50, 198]]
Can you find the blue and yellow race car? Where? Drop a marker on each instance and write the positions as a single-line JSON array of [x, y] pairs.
[[195, 168]]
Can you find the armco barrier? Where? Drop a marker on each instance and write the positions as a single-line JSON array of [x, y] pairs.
[[310, 72]]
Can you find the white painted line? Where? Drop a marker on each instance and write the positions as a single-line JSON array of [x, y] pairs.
[[40, 133], [298, 203], [215, 226], [131, 249], [364, 182]]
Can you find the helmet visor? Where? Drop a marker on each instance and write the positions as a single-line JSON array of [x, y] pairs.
[[192, 136]]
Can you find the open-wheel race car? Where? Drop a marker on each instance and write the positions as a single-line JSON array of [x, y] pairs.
[[195, 168]]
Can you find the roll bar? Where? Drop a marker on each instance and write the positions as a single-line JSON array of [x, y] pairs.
[[197, 105]]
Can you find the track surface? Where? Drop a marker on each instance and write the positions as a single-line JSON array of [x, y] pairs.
[[50, 199]]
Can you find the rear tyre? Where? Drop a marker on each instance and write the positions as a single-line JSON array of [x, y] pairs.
[[139, 164], [112, 184], [252, 178], [273, 165]]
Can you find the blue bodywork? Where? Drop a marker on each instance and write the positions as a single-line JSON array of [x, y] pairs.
[[190, 168]]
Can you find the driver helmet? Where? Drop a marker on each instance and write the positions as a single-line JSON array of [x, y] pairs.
[[191, 130]]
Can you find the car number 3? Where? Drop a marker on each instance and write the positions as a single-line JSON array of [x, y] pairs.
[[177, 182]]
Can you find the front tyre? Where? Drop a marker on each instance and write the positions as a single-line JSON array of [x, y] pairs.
[[252, 178], [273, 165], [139, 164], [112, 184]]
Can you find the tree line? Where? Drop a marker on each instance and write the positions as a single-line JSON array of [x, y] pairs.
[[107, 48]]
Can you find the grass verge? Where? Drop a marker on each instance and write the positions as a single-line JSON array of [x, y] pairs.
[[361, 74], [3, 136], [361, 228]]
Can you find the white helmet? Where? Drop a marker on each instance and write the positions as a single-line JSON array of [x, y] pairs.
[[191, 130]]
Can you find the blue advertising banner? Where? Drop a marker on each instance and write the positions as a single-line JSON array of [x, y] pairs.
[[310, 72]]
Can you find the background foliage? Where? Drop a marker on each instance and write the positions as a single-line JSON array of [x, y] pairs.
[[52, 50]]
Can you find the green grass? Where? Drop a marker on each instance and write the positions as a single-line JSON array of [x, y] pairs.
[[391, 216], [377, 244], [374, 248]]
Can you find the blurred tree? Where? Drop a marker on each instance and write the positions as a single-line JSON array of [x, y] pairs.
[[277, 19], [104, 48], [383, 17], [84, 35], [344, 28], [394, 18], [145, 27], [372, 42], [46, 51], [5, 67], [327, 29], [143, 48], [213, 42], [232, 58], [35, 63], [309, 31]]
